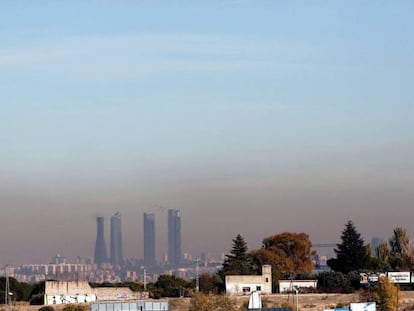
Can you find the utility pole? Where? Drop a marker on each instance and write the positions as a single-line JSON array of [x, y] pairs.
[[7, 293], [297, 298], [197, 277], [145, 279]]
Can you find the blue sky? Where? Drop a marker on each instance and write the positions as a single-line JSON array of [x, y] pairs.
[[223, 108]]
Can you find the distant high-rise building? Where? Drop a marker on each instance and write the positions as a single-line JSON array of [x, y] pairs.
[[116, 239], [174, 237], [149, 239], [100, 245]]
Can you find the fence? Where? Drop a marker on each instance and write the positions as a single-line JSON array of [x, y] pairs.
[[130, 306]]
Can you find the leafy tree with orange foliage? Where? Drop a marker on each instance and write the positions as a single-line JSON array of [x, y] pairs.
[[287, 253]]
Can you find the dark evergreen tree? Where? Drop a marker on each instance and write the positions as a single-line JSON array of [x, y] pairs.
[[351, 253], [238, 261]]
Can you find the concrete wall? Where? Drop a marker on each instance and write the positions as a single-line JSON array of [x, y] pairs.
[[290, 285], [58, 292]]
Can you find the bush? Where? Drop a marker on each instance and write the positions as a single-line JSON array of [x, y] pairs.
[[37, 299], [203, 302], [386, 294], [75, 307], [335, 282]]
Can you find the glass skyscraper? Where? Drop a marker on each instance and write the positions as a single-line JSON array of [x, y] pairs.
[[100, 245], [116, 239], [174, 237], [149, 239]]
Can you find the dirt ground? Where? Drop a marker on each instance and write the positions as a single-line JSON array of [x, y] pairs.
[[306, 302]]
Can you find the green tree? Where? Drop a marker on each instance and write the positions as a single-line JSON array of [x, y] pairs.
[[171, 286], [351, 253], [401, 252], [333, 282], [21, 291], [238, 261], [37, 294]]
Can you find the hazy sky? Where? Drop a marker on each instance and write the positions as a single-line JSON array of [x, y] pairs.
[[252, 117]]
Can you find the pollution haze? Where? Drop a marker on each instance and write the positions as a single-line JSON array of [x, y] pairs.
[[250, 117]]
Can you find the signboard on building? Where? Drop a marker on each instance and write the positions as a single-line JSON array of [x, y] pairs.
[[399, 277], [286, 286]]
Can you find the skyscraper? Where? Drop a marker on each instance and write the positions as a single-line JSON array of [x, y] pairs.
[[116, 239], [149, 239], [100, 246], [174, 237]]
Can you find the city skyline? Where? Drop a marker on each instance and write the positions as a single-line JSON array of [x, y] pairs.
[[250, 117]]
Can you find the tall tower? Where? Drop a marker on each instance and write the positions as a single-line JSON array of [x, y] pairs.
[[149, 239], [116, 239], [174, 237], [100, 245]]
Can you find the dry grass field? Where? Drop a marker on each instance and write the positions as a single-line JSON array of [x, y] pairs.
[[306, 302]]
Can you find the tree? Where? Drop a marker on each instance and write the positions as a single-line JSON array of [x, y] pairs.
[[333, 282], [172, 286], [238, 261], [294, 248], [21, 291], [386, 295], [351, 254], [280, 266], [208, 283], [287, 253], [400, 250], [383, 252]]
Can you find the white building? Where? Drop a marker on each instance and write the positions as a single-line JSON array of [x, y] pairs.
[[246, 284]]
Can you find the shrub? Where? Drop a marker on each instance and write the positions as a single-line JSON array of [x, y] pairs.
[[203, 302], [75, 307]]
